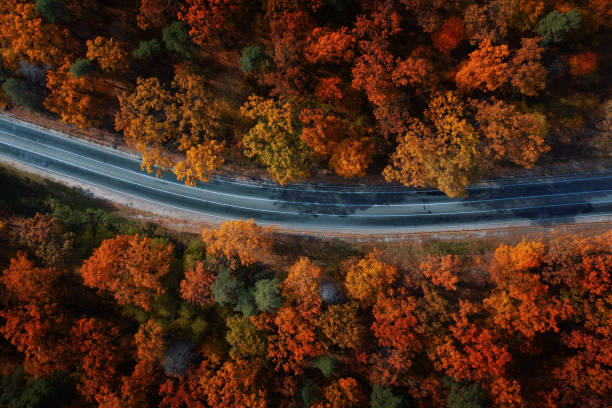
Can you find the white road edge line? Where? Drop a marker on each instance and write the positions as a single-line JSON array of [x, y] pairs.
[[306, 214], [475, 187], [180, 185]]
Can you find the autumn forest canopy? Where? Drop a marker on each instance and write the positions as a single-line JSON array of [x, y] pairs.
[[427, 93], [99, 311]]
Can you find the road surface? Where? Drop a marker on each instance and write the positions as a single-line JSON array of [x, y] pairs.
[[376, 209]]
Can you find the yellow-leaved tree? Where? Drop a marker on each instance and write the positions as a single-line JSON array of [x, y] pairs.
[[275, 138], [442, 152], [156, 119]]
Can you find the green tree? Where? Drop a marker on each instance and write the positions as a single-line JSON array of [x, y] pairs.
[[251, 58], [245, 339], [245, 303], [176, 38], [267, 295], [326, 364], [50, 391], [309, 393], [275, 139], [384, 398], [52, 10], [463, 395], [193, 253], [81, 67], [147, 49], [22, 93], [555, 25], [225, 289]]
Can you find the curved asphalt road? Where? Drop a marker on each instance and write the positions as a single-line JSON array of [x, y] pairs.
[[316, 207]]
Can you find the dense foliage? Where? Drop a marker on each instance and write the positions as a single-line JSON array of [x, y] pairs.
[[98, 312], [422, 92]]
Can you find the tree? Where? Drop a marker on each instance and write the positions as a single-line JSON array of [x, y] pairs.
[[19, 392], [211, 21], [200, 162], [341, 325], [39, 332], [53, 10], [300, 286], [22, 93], [485, 69], [526, 70], [267, 295], [245, 340], [130, 267], [342, 393], [521, 301], [81, 67], [328, 46], [30, 284], [240, 239], [143, 122], [395, 322], [147, 49], [42, 235], [154, 116], [464, 395], [367, 277], [328, 90], [384, 398], [450, 34], [322, 131], [93, 341], [473, 354], [153, 14], [583, 64], [235, 385], [186, 391], [44, 44], [489, 21], [196, 287], [351, 157], [176, 38], [445, 156], [326, 364], [293, 341], [225, 289], [554, 26], [73, 98], [442, 271], [178, 358], [511, 135], [110, 54], [139, 385], [251, 58], [274, 140]]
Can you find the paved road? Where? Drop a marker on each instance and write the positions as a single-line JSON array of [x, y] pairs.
[[316, 207]]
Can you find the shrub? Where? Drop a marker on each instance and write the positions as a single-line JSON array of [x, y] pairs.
[[251, 58], [81, 67]]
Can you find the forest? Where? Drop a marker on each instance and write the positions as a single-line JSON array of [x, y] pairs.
[[101, 311], [426, 93]]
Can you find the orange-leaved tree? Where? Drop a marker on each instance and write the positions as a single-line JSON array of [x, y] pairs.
[[366, 277], [242, 240], [196, 287], [486, 68], [130, 267], [74, 99], [110, 54]]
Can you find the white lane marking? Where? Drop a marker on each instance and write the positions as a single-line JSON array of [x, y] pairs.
[[485, 224], [468, 201], [247, 184], [316, 214]]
